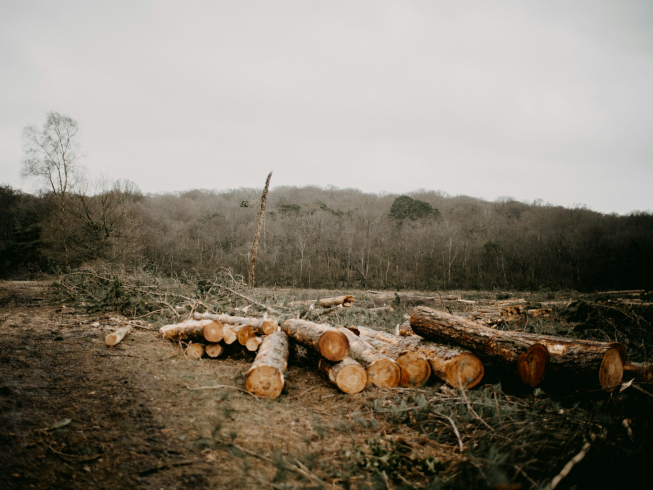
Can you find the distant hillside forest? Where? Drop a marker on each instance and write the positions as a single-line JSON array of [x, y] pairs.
[[332, 238]]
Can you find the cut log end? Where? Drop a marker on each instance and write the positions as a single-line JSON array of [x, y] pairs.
[[116, 337], [213, 331], [245, 334], [253, 344], [352, 379], [415, 370], [532, 364], [334, 346], [265, 381], [214, 350], [384, 373], [612, 369], [465, 371], [195, 351], [269, 326]]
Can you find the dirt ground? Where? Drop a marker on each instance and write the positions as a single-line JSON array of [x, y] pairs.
[[77, 414]]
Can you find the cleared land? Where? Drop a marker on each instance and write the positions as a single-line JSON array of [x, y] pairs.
[[77, 414]]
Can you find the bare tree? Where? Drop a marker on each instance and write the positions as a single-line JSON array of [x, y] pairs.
[[257, 236], [51, 154]]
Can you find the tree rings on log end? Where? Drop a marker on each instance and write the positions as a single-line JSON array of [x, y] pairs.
[[214, 350], [334, 345], [384, 373], [612, 368], [269, 326], [415, 370], [532, 364], [265, 381], [245, 333], [195, 351], [465, 371], [352, 379], [213, 331]]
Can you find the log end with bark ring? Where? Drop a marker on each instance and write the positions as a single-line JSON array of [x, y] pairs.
[[334, 345], [415, 370], [384, 373], [612, 368], [531, 365], [351, 379], [265, 381], [214, 350], [245, 334], [465, 371], [195, 351], [213, 331], [269, 326]]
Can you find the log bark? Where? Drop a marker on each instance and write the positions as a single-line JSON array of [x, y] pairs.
[[523, 352], [324, 339], [214, 350], [346, 301], [639, 370], [381, 370], [261, 326], [116, 337], [404, 330], [188, 330], [265, 376], [195, 351], [348, 375]]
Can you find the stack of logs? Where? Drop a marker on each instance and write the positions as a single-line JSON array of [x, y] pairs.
[[355, 357]]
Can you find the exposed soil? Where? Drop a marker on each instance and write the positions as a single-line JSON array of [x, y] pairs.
[[77, 414]]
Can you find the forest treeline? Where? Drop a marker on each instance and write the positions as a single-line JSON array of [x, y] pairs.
[[332, 238]]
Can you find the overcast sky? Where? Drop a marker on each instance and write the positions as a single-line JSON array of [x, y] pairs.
[[539, 99]]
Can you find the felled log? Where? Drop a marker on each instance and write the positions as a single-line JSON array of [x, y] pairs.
[[323, 339], [114, 338], [510, 302], [191, 330], [540, 312], [627, 291], [213, 350], [466, 301], [348, 375], [261, 326], [305, 302], [253, 344], [415, 368], [213, 330], [230, 334], [325, 311], [639, 370], [455, 367], [345, 300], [265, 376], [386, 299], [530, 355], [381, 370], [195, 351]]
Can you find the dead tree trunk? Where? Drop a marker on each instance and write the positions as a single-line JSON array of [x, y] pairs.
[[531, 355], [324, 339], [348, 375], [257, 236], [265, 376], [116, 337], [381, 370]]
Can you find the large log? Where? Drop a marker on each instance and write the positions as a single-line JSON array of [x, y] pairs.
[[116, 337], [195, 351], [525, 353], [415, 368], [265, 376], [261, 326], [348, 375], [381, 370], [345, 300], [324, 339], [453, 366]]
